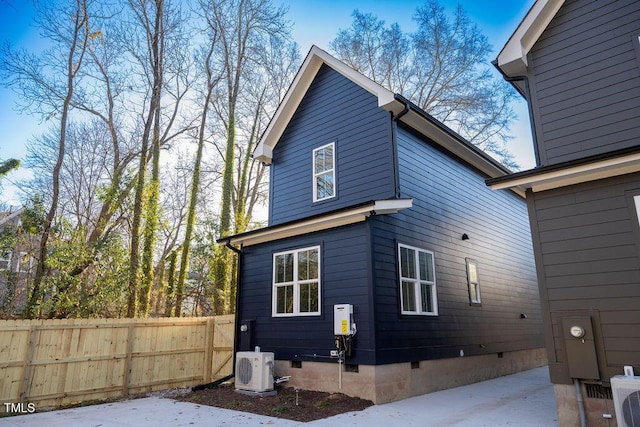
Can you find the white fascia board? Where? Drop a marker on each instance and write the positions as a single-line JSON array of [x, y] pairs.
[[339, 219], [512, 59], [576, 174], [308, 71], [263, 153], [382, 207]]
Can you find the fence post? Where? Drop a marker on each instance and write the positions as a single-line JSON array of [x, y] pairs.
[[126, 380], [27, 365], [208, 350]]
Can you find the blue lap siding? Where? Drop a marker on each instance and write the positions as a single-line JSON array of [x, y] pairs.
[[337, 110], [450, 199], [359, 264], [345, 279]]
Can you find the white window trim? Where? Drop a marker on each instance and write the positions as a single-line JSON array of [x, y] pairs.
[[417, 281], [296, 285], [316, 175], [470, 261], [8, 260]]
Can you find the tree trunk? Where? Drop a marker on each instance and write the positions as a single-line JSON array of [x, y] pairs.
[[154, 105], [195, 180], [73, 65], [169, 306]]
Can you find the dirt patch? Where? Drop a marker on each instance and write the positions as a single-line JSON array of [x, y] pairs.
[[297, 405]]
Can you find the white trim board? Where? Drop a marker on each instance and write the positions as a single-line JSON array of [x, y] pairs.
[[512, 59], [575, 174], [350, 216]]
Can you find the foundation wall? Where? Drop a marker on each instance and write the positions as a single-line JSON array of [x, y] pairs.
[[388, 383]]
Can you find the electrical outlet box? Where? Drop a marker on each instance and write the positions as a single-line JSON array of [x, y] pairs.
[[343, 319]]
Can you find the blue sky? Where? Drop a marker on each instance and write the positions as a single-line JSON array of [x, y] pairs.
[[314, 22]]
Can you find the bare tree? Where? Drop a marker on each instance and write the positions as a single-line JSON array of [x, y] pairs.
[[263, 94], [245, 28], [443, 67], [211, 79], [47, 85], [160, 25]]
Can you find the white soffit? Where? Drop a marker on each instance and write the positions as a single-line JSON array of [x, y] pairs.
[[576, 174], [308, 71], [512, 59], [350, 216]]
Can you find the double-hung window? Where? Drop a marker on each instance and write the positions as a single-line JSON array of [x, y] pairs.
[[417, 281], [296, 282], [324, 173], [473, 282]]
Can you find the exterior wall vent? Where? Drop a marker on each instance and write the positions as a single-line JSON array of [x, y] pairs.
[[597, 391]]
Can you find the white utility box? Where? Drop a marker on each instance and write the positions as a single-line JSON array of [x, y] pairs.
[[343, 319]]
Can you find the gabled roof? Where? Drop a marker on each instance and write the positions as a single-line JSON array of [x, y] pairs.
[[407, 112], [512, 59], [310, 67]]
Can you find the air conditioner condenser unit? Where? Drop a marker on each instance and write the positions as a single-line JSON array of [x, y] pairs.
[[626, 399], [254, 371]]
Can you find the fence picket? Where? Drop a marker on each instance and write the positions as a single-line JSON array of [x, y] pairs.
[[60, 362]]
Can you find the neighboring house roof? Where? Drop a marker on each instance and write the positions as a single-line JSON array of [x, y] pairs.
[[586, 169], [10, 216], [512, 59], [324, 221], [407, 112]]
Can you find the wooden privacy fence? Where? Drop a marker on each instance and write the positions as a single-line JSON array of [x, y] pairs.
[[58, 362]]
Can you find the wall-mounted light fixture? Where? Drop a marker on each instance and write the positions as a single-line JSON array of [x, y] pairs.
[[523, 315], [465, 236]]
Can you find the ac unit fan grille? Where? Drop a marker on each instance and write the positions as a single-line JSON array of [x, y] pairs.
[[245, 370], [631, 409]]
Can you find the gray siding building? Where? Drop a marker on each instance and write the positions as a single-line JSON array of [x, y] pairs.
[[578, 65], [375, 204]]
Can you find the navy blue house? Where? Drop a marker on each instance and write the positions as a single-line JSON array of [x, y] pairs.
[[375, 204]]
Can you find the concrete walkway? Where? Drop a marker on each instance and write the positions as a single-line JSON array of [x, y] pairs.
[[525, 399]]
